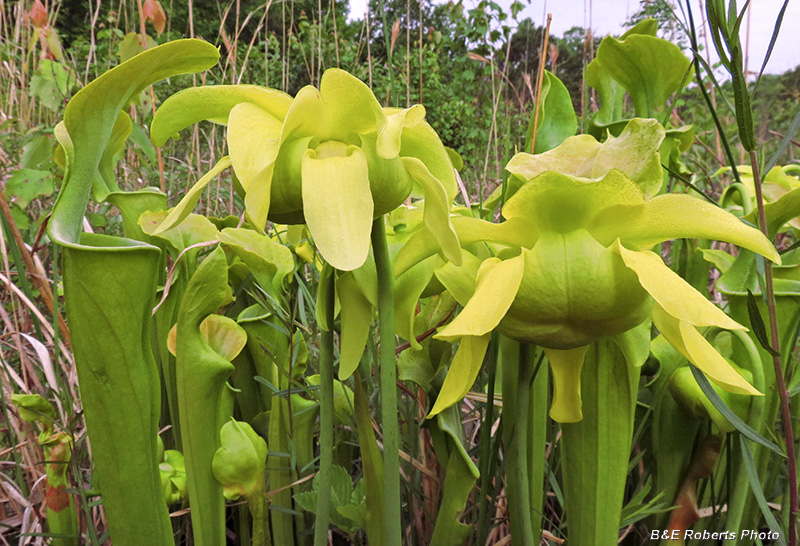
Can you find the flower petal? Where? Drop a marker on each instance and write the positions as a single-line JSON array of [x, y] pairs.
[[389, 136], [688, 341], [350, 104], [566, 366], [356, 320], [674, 216], [672, 293], [462, 373], [253, 140], [498, 282], [337, 205], [437, 209]]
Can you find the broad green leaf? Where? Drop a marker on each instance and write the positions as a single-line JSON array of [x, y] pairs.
[[356, 322], [25, 185], [649, 68], [115, 367], [672, 293], [213, 103], [498, 282], [269, 262], [463, 372], [557, 119], [688, 341], [337, 205], [566, 366], [189, 201]]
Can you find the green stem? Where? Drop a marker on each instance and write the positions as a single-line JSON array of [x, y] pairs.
[[486, 440], [596, 449], [258, 509], [518, 480], [391, 432], [323, 512]]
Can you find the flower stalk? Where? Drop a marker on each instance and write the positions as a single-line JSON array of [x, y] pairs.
[[783, 393], [325, 418], [391, 429]]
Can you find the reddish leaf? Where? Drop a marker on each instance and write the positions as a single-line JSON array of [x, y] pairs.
[[38, 14], [154, 13]]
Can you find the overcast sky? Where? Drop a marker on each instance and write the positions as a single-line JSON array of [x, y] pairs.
[[607, 17]]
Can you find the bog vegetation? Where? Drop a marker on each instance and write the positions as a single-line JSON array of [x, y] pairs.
[[276, 275]]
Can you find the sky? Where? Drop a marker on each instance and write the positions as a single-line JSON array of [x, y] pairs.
[[607, 17]]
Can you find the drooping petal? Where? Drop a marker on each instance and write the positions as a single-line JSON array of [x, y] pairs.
[[390, 136], [185, 206], [337, 205], [408, 288], [462, 373], [566, 366], [671, 292], [437, 209], [213, 103], [356, 320], [673, 216], [688, 341], [575, 156], [350, 104], [306, 115], [515, 232], [421, 141], [498, 283]]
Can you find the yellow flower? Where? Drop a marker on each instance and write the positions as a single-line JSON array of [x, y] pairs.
[[574, 266]]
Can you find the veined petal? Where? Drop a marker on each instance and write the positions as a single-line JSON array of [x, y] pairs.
[[688, 341], [213, 103], [566, 366], [517, 232], [350, 104], [437, 209], [462, 373], [575, 157], [337, 205], [672, 293], [389, 136], [673, 216], [421, 141], [498, 283], [356, 320], [185, 206]]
